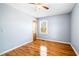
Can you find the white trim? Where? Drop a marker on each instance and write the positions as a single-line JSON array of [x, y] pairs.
[[74, 49], [14, 48], [54, 41]]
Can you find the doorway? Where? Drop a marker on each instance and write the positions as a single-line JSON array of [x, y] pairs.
[[34, 29]]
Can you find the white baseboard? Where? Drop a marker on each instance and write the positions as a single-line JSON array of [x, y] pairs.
[[74, 49], [54, 41], [14, 48]]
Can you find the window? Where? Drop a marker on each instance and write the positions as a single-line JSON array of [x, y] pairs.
[[43, 26]]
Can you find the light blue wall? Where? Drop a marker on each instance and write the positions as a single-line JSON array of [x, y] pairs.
[[75, 28], [15, 27], [58, 28]]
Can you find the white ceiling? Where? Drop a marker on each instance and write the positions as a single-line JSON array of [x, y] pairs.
[[54, 9]]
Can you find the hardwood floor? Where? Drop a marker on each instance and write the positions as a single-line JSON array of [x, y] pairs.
[[33, 49]]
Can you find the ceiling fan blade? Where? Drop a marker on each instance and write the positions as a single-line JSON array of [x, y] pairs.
[[45, 7], [31, 3], [39, 4]]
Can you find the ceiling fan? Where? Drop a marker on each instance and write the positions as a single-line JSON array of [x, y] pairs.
[[40, 5]]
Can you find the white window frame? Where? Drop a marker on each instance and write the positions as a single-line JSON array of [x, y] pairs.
[[46, 26]]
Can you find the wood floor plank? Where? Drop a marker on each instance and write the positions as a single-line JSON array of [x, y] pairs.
[[33, 49]]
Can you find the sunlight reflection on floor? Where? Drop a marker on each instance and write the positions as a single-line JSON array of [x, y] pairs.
[[43, 50]]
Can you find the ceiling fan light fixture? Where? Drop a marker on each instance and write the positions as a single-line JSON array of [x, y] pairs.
[[41, 5]]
